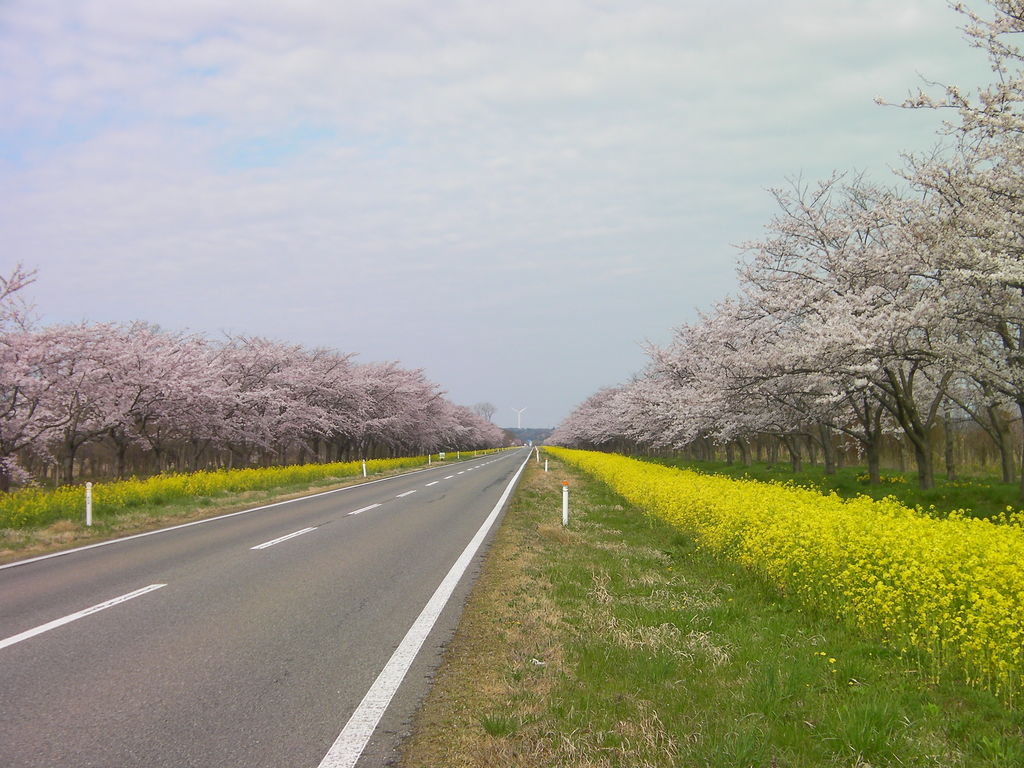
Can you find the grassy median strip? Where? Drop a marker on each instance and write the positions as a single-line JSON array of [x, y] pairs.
[[616, 642]]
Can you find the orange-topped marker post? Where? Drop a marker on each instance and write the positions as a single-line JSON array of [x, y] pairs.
[[565, 502]]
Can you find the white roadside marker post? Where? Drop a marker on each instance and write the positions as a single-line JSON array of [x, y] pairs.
[[565, 503], [538, 454], [545, 465], [364, 467], [88, 504], [428, 459]]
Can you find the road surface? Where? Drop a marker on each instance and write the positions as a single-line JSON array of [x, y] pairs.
[[248, 640]]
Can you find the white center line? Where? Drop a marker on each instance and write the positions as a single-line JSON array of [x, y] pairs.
[[404, 494], [433, 483], [278, 540], [73, 616], [363, 509], [461, 473], [449, 477]]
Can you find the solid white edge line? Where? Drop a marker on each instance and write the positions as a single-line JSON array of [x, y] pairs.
[[210, 519], [357, 731], [362, 509], [407, 493], [279, 539], [75, 616]]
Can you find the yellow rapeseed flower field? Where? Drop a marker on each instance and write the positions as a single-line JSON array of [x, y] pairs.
[[33, 507], [952, 590]]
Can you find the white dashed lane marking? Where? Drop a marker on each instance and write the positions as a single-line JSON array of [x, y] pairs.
[[279, 539], [363, 509], [75, 616]]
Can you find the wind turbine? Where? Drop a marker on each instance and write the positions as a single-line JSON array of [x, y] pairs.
[[519, 417]]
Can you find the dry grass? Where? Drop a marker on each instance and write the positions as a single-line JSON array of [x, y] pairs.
[[512, 663], [642, 741], [507, 656]]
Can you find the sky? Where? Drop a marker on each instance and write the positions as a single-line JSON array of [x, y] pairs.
[[515, 197]]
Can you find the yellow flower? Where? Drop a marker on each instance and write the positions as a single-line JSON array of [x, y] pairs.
[[952, 589]]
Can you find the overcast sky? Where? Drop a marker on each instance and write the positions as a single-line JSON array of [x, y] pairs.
[[512, 196]]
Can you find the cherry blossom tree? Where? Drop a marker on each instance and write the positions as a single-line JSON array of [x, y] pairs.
[[976, 249], [118, 391], [79, 391], [163, 391], [843, 264], [23, 414], [835, 330], [864, 312]]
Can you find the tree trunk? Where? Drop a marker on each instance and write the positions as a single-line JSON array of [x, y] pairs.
[[925, 466], [792, 443], [947, 431], [744, 451], [1004, 444], [1006, 459], [828, 449], [728, 454], [119, 468], [1020, 407], [871, 453], [67, 466], [915, 424], [198, 448]]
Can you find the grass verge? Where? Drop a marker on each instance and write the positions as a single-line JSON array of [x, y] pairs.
[[616, 642]]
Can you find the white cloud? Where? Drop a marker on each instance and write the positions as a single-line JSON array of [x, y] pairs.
[[302, 168]]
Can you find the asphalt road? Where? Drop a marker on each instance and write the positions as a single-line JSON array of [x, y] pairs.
[[243, 657]]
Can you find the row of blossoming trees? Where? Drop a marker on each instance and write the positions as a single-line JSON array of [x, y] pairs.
[[122, 399], [865, 312]]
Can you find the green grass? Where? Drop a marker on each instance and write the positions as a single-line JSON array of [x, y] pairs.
[[654, 653], [497, 724], [982, 496]]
